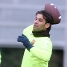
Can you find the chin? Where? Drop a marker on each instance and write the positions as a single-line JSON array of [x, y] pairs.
[[35, 29]]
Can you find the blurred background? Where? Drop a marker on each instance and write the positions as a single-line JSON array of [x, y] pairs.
[[15, 15]]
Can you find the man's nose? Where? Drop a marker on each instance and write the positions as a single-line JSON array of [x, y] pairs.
[[36, 21]]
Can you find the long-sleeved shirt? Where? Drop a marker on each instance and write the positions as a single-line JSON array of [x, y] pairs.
[[40, 54]]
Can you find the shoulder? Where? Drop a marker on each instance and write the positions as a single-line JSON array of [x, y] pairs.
[[28, 29], [44, 41], [47, 41]]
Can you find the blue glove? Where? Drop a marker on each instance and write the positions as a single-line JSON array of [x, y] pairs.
[[23, 39]]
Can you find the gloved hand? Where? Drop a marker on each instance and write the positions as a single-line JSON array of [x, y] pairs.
[[23, 39]]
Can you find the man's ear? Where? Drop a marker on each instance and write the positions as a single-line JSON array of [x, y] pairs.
[[47, 25]]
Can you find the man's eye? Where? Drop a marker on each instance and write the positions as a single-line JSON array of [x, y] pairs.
[[40, 20], [35, 18]]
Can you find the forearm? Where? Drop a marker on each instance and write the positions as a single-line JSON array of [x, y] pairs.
[[42, 54]]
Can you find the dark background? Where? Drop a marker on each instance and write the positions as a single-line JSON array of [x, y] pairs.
[[12, 57]]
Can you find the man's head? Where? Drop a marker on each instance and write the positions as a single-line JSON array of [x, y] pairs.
[[42, 21]]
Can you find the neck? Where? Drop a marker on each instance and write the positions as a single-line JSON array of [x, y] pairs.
[[41, 33]]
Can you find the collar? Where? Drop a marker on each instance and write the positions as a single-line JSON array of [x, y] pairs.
[[41, 33]]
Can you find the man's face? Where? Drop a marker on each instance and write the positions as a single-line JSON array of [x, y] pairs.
[[39, 23]]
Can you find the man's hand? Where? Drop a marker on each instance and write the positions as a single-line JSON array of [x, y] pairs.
[[23, 39], [32, 42]]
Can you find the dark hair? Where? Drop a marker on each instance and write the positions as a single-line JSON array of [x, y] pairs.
[[47, 16]]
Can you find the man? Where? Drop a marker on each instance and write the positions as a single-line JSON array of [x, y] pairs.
[[36, 39]]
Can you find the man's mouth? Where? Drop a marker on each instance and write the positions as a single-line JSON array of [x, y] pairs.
[[35, 26]]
